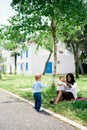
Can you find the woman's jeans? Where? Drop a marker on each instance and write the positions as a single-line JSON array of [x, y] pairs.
[[38, 100]]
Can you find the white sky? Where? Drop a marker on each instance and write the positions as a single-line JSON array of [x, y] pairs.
[[5, 11]]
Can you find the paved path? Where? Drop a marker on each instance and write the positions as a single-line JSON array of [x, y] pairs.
[[16, 114]]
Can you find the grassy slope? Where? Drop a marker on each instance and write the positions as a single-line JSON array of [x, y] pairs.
[[22, 85]]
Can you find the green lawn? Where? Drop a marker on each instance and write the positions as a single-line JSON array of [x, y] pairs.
[[22, 86]]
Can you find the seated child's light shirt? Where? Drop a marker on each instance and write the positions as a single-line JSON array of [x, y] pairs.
[[63, 86]]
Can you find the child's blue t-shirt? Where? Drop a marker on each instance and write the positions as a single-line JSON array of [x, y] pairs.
[[37, 86]]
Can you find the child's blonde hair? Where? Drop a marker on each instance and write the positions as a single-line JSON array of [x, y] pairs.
[[61, 77], [38, 76]]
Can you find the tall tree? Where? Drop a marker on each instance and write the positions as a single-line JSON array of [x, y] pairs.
[[38, 15], [74, 45], [1, 39], [49, 15], [13, 39], [15, 54], [0, 63], [72, 28], [85, 39]]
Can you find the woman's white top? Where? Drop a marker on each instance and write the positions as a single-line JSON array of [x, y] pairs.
[[73, 90]]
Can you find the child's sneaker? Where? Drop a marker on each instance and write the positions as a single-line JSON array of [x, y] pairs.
[[51, 102], [40, 110]]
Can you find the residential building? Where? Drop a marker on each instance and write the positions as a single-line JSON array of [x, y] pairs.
[[32, 61]]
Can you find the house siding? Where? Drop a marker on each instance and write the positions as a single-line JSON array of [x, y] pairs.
[[32, 61]]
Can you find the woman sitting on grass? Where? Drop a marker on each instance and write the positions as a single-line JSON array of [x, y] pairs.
[[70, 93]]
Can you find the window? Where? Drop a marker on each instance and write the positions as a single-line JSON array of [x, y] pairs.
[[61, 52], [26, 66], [26, 53]]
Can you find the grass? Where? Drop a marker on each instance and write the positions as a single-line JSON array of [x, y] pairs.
[[22, 86]]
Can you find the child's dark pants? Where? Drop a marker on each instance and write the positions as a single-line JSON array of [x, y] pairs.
[[38, 100]]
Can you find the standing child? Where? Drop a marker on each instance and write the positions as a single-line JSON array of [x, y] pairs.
[[37, 86]]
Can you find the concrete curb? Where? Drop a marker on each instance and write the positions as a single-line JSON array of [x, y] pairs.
[[73, 123]]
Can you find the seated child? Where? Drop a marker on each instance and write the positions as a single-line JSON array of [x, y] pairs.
[[62, 85]]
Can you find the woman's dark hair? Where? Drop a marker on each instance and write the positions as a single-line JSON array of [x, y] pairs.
[[72, 78]]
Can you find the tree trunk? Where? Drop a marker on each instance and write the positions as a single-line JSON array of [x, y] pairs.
[[53, 30], [0, 76], [76, 55], [47, 63], [15, 63], [10, 69], [81, 68], [77, 68]]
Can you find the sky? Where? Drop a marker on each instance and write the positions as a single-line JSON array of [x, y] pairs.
[[5, 11]]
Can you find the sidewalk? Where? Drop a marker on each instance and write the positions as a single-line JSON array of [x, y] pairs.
[[18, 114]]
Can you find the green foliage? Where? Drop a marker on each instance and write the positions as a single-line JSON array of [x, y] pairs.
[[1, 36], [15, 54], [43, 39], [49, 91], [9, 46], [62, 18]]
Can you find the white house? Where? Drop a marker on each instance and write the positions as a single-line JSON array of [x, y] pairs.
[[32, 61]]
